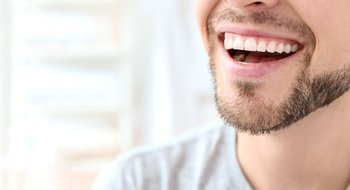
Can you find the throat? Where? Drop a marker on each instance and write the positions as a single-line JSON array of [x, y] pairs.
[[256, 57]]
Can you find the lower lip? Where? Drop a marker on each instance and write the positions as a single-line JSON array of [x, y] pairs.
[[252, 70]]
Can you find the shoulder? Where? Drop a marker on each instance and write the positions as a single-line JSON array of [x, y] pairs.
[[188, 144], [149, 166]]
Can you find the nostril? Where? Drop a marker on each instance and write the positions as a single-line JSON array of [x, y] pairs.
[[251, 5], [257, 3]]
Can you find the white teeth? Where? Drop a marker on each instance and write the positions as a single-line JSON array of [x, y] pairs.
[[271, 48], [228, 43], [250, 44], [280, 48], [238, 44], [262, 46], [295, 47], [225, 43], [288, 48]]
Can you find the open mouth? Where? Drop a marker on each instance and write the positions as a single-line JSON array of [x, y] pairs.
[[258, 50], [256, 57]]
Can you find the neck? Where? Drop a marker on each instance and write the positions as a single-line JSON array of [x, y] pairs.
[[314, 153]]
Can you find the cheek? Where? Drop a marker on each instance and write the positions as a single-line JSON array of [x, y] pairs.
[[203, 8], [330, 23], [334, 34]]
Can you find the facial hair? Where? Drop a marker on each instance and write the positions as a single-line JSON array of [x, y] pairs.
[[250, 114]]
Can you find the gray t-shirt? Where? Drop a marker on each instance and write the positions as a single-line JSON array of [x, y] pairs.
[[203, 159]]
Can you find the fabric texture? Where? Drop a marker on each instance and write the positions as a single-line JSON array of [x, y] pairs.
[[203, 159]]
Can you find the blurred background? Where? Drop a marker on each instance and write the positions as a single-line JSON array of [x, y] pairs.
[[83, 80]]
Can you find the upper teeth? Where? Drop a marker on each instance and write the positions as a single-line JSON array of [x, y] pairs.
[[261, 45]]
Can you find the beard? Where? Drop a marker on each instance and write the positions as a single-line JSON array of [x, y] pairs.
[[251, 114]]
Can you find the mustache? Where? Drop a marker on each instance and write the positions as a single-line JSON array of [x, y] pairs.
[[262, 18]]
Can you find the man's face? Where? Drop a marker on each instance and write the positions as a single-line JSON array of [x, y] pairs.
[[275, 61]]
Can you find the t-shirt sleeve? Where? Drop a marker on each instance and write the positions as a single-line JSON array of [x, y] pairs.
[[115, 176]]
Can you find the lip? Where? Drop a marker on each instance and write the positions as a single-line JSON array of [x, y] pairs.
[[253, 70], [257, 32]]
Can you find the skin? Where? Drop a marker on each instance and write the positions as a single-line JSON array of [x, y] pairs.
[[312, 152]]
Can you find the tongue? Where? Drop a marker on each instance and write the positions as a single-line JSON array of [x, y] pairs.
[[257, 57]]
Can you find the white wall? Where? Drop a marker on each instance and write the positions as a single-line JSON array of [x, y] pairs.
[[4, 73], [172, 69]]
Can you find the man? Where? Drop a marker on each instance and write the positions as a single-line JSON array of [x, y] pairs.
[[282, 76]]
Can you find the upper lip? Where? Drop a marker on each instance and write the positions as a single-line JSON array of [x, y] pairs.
[[257, 32]]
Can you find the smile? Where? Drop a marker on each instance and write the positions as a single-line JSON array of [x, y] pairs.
[[247, 49], [254, 56]]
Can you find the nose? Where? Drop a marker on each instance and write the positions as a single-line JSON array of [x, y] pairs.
[[252, 5]]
